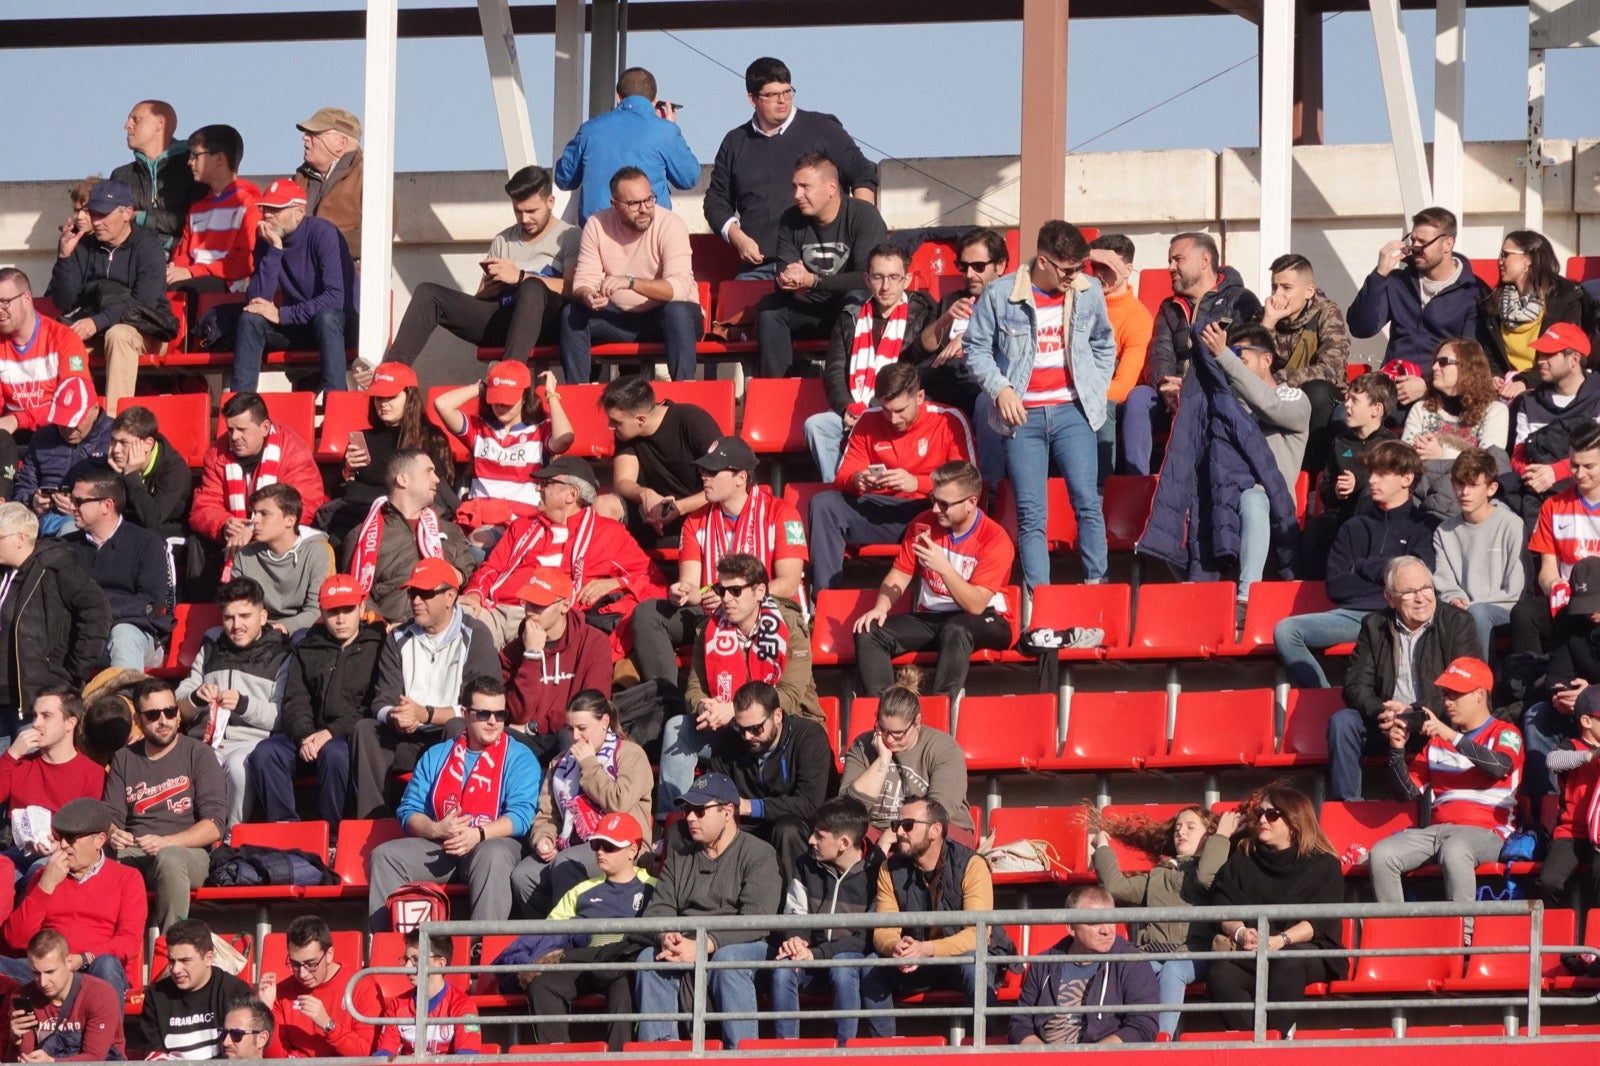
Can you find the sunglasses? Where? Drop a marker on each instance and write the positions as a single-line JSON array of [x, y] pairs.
[[903, 825], [490, 716], [605, 846], [1415, 245], [69, 839], [150, 714], [945, 505], [753, 730], [699, 809], [1445, 360], [976, 265], [723, 590], [238, 1035], [1271, 815], [428, 594]]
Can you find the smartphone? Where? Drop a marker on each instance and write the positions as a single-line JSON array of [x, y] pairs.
[[22, 1002], [877, 470], [358, 439]]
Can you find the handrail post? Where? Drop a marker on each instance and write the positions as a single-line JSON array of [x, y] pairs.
[[419, 1042], [1535, 965], [1259, 1007], [697, 1023], [980, 985]]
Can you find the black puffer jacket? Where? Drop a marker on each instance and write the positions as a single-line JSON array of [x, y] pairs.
[[329, 685], [60, 624], [1178, 317], [1372, 673]]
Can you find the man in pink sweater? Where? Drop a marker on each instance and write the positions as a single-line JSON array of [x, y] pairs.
[[95, 901], [634, 282], [43, 767]]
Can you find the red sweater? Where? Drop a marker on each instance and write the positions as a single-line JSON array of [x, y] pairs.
[[219, 237], [32, 782], [105, 914], [294, 1036], [296, 466]]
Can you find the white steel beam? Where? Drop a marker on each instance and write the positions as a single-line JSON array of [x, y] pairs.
[[1400, 97], [377, 192], [1449, 104], [567, 92], [505, 79], [1533, 153], [1277, 132]]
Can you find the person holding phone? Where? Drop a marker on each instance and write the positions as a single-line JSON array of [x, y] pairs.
[[63, 1015]]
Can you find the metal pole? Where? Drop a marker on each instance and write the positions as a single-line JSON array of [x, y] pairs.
[[602, 56], [980, 985], [1449, 104], [697, 1030], [1277, 133], [419, 1044], [1400, 97], [1043, 192], [505, 81], [1259, 1006], [377, 193], [1535, 965]]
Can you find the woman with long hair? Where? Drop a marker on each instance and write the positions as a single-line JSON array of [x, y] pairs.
[[601, 772], [1188, 849], [1284, 858], [1461, 408], [1531, 297]]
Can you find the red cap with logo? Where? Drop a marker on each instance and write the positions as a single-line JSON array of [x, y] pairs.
[[431, 573], [340, 590], [545, 586], [73, 399], [1466, 674], [391, 379], [618, 829], [1560, 337], [507, 381], [282, 193]]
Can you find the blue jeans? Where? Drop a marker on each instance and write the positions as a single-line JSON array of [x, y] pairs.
[[677, 324], [1487, 617], [825, 439], [846, 985], [1255, 537], [271, 768], [1296, 636], [1351, 737], [1060, 431], [1173, 976], [732, 991], [255, 336], [106, 967], [989, 442], [1544, 729], [682, 748], [132, 648], [1106, 435]]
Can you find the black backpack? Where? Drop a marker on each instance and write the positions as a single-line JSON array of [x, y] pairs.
[[253, 864]]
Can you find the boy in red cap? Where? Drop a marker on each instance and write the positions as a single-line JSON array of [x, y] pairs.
[[553, 656], [1472, 762], [328, 690]]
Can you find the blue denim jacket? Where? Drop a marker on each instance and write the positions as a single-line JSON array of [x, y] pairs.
[[1001, 341]]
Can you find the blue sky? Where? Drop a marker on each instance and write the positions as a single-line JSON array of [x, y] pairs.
[[909, 91]]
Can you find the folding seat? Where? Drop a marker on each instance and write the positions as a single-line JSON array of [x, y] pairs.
[[1190, 620], [1126, 507], [576, 1047], [1007, 732], [775, 412], [1565, 982], [1270, 602], [1364, 822], [1155, 285], [716, 398], [1229, 728], [304, 836], [343, 412], [896, 1041], [832, 725], [389, 949], [296, 410], [190, 623], [715, 261], [1061, 524], [833, 641], [1105, 607], [864, 715], [1399, 975], [1509, 973], [591, 434], [183, 418], [1305, 728], [1487, 271], [669, 1045], [772, 1043], [1113, 730], [1060, 827], [1580, 268], [273, 957], [736, 302], [358, 837]]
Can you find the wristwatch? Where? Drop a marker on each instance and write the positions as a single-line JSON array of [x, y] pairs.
[[632, 281], [327, 1026]]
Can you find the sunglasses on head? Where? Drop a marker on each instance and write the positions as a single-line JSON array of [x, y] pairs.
[[150, 714], [479, 715]]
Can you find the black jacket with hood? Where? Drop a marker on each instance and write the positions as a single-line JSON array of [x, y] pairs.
[[920, 311], [1179, 320], [133, 272], [159, 500], [59, 622], [330, 684]]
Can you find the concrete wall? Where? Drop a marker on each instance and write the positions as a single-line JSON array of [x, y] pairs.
[[1346, 204]]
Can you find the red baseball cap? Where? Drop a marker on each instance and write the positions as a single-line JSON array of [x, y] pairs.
[[507, 381], [1466, 674], [340, 590], [545, 586], [282, 193], [433, 573], [1560, 337], [72, 400], [391, 379], [619, 829]]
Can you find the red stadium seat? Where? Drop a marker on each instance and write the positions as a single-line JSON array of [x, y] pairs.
[[389, 949], [1105, 607], [864, 715], [306, 836], [934, 259], [1007, 732], [833, 641], [1126, 506], [1305, 728], [1487, 271], [358, 837], [190, 622], [944, 285], [273, 957], [1401, 974], [1348, 1034], [831, 723], [343, 413], [457, 449], [1190, 620], [591, 434], [1509, 973], [1218, 729], [1130, 859], [736, 303], [1365, 823], [669, 1045], [1113, 730], [714, 397], [1155, 285], [801, 493], [578, 1047], [297, 410], [1271, 602], [1061, 524], [1580, 268], [772, 1043], [775, 412], [1591, 940], [715, 260], [183, 418], [896, 1041], [1061, 827]]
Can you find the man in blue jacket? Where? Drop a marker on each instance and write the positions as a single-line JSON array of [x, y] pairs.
[[1423, 291], [468, 807], [1042, 349], [632, 134], [306, 260]]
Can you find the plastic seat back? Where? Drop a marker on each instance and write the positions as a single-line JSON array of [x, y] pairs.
[[1273, 601], [305, 836], [1185, 620], [775, 413], [1007, 732], [1225, 728], [1105, 607], [183, 418], [358, 837], [714, 397], [1126, 506], [1114, 730], [864, 714], [343, 413], [296, 410]]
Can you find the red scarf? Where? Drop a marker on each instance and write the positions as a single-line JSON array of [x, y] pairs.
[[364, 560], [732, 658], [748, 534], [866, 358], [236, 489], [536, 536], [477, 797]]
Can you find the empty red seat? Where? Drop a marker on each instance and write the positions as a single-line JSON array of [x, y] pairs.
[[1400, 974], [669, 1045], [358, 837], [1580, 268], [183, 418], [1225, 728], [1113, 730], [714, 397], [1008, 732], [775, 412], [1126, 507], [1363, 822], [1487, 271], [190, 622], [715, 260], [1509, 972], [1155, 285], [833, 640], [1271, 602], [575, 1047], [773, 1043], [1305, 728], [343, 413], [1062, 828], [1191, 620], [296, 410], [1105, 607], [896, 1041]]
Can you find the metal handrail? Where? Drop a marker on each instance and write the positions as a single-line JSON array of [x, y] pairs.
[[980, 1010]]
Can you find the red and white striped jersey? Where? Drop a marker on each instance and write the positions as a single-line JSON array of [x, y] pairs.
[[1463, 794]]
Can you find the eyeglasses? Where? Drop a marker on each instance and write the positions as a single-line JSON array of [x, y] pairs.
[[238, 1035], [150, 714], [736, 590], [777, 94], [1508, 253], [79, 501], [1270, 815], [903, 825], [634, 205], [898, 734], [976, 266], [944, 505], [1420, 592], [753, 730], [428, 594], [1066, 272], [699, 810], [892, 279], [1417, 244], [480, 715], [7, 301], [412, 960], [1445, 360], [306, 965], [201, 154]]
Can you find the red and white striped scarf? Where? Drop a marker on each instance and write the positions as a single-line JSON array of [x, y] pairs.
[[732, 659], [364, 560], [748, 534], [236, 489], [536, 539], [866, 359], [476, 796]]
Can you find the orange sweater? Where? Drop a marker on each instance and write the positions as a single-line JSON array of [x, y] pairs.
[[1132, 324]]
